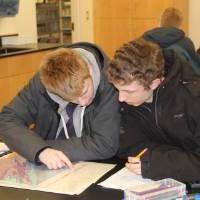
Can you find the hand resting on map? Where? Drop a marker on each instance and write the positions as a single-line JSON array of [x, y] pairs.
[[54, 159]]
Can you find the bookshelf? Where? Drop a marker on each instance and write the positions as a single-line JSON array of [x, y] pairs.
[[48, 22], [54, 21], [66, 25]]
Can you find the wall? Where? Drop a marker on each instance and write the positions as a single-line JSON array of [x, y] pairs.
[[86, 20], [119, 21], [194, 22], [82, 16], [24, 23]]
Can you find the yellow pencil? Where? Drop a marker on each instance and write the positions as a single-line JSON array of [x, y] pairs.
[[141, 153]]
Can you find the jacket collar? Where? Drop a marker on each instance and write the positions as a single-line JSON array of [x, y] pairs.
[[178, 72]]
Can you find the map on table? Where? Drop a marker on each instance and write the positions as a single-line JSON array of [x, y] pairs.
[[16, 170]]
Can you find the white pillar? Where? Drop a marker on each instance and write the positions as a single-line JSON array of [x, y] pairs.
[[194, 21]]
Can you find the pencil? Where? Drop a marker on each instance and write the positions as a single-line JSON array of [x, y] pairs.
[[141, 153]]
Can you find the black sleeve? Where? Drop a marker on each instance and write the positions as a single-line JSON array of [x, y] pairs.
[[166, 161], [132, 140], [162, 160], [180, 163]]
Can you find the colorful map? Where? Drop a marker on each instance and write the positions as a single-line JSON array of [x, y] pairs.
[[16, 170]]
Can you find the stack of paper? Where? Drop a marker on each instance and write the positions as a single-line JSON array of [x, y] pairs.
[[124, 179]]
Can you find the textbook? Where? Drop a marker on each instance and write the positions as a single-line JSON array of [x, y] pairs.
[[16, 171]]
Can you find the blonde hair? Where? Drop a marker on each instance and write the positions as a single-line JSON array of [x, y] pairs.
[[63, 72], [171, 17]]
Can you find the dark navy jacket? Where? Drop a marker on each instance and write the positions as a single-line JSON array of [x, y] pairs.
[[169, 127], [174, 38]]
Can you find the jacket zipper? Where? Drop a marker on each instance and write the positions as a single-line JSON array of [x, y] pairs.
[[147, 108]]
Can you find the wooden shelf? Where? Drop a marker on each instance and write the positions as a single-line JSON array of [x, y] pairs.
[[66, 21], [54, 17]]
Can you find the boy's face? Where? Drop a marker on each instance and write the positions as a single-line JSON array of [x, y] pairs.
[[134, 93], [86, 96]]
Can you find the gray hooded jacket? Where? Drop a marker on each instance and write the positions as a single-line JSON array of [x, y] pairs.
[[97, 137]]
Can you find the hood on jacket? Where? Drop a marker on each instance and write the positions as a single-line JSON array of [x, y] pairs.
[[178, 71], [164, 36], [79, 110]]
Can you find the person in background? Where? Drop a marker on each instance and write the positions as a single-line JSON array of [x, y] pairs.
[[198, 50], [169, 35], [160, 98], [72, 109]]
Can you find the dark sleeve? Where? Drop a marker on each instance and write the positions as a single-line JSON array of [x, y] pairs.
[[15, 119], [101, 136], [183, 164], [188, 44], [132, 140], [166, 161]]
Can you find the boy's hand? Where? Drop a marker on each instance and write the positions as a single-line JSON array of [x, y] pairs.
[[54, 159], [134, 165]]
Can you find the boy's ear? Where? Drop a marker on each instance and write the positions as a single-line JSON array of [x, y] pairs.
[[155, 83]]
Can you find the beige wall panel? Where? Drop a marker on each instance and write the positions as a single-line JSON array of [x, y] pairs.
[[112, 19], [121, 8], [24, 23], [103, 36], [121, 32], [112, 8], [3, 67], [183, 5], [113, 35], [16, 71], [194, 22], [5, 91], [20, 64], [143, 9], [149, 8], [102, 8], [10, 87], [140, 26], [37, 59], [18, 82]]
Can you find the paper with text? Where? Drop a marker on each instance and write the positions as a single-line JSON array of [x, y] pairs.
[[124, 179]]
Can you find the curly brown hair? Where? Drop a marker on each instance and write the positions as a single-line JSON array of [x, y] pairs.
[[63, 72], [138, 60]]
